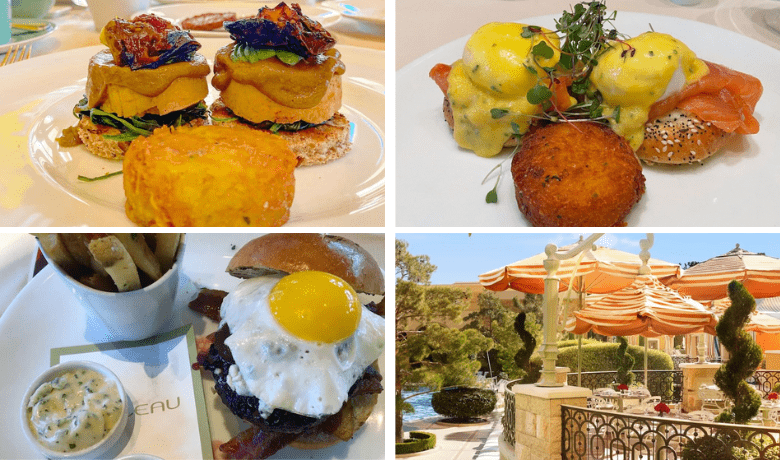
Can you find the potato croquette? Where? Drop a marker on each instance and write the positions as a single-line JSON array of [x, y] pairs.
[[209, 176], [576, 175]]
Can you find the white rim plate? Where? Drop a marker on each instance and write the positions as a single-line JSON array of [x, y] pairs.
[[28, 344], [177, 13], [363, 10], [40, 186], [22, 39], [737, 187]]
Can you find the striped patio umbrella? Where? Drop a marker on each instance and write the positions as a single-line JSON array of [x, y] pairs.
[[709, 280], [599, 270], [647, 308], [759, 321]]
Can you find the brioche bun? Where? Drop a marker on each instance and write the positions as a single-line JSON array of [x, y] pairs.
[[282, 254], [680, 137]]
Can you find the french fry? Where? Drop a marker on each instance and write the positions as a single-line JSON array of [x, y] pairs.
[[55, 249], [165, 251], [77, 244], [116, 260], [142, 256]]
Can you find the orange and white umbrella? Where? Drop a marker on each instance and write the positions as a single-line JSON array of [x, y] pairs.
[[647, 308], [599, 270], [709, 280], [758, 321]]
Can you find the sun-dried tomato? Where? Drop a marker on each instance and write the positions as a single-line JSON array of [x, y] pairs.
[[147, 41]]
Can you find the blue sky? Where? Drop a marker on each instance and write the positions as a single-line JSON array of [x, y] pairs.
[[460, 257]]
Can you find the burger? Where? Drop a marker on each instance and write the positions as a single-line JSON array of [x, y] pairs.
[[296, 353], [149, 77], [282, 74]]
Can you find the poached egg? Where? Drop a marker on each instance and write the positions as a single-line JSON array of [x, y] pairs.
[[636, 73], [488, 85]]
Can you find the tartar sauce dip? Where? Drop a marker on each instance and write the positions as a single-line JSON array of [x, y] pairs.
[[74, 411]]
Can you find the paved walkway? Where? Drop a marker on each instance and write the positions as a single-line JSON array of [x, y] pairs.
[[473, 442]]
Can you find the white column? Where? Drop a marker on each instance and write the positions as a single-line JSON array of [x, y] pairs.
[[549, 348]]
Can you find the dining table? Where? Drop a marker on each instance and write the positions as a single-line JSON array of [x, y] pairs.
[[43, 303], [48, 184]]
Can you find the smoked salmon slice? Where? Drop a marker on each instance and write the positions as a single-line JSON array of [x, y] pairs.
[[724, 97]]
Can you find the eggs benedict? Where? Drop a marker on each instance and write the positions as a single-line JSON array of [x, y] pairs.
[[149, 76], [487, 90], [671, 106], [283, 75], [296, 352]]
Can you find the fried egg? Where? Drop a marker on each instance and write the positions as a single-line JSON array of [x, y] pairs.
[[299, 342], [636, 73], [488, 86]]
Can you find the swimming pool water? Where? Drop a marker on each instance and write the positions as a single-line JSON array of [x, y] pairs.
[[421, 404]]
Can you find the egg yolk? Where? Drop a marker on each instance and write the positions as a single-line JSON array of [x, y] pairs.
[[316, 306], [639, 72], [488, 86]]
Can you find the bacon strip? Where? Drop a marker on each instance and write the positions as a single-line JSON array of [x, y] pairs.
[[253, 443]]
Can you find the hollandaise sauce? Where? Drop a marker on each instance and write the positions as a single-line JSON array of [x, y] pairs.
[[74, 411], [488, 86], [633, 75]]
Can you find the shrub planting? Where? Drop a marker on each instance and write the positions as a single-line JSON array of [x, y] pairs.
[[463, 403], [418, 441]]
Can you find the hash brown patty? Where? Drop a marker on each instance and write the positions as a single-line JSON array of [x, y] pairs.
[[578, 174]]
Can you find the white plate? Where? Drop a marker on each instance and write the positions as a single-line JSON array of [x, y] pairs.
[[39, 184], [26, 343], [439, 184], [372, 11], [177, 13], [19, 37]]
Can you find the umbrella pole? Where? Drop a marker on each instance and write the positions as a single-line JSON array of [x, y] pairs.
[[579, 361], [646, 363], [579, 346]]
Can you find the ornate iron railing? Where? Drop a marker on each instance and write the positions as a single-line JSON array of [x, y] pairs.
[[508, 419], [764, 380], [592, 434], [684, 359], [664, 383]]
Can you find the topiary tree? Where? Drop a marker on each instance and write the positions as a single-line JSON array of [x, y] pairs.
[[625, 363], [745, 357], [522, 358], [463, 403]]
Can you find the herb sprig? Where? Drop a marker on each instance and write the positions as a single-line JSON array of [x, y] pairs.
[[586, 32]]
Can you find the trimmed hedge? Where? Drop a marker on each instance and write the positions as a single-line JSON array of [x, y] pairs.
[[420, 441], [574, 342], [463, 402], [602, 357]]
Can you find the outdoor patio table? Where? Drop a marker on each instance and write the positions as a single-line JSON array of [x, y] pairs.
[[618, 397]]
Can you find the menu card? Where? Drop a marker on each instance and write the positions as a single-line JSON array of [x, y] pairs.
[[168, 412]]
